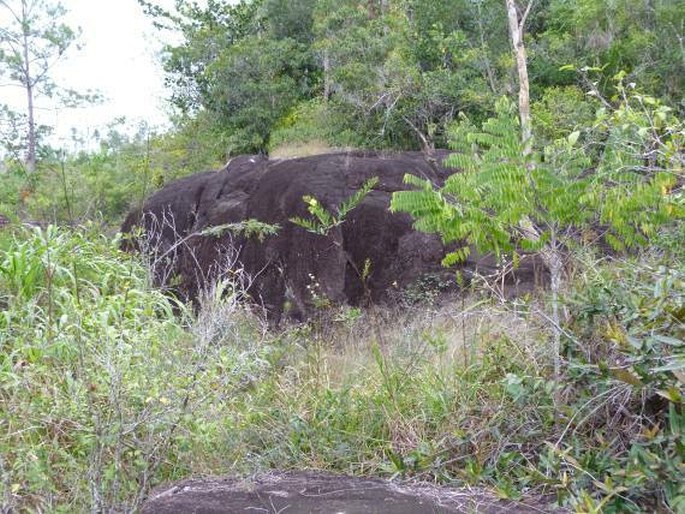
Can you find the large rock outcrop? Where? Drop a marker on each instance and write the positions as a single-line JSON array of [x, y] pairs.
[[294, 266], [317, 493]]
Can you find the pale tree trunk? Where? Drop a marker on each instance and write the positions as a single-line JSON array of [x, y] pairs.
[[31, 151], [516, 32], [326, 75], [427, 145], [552, 257], [551, 253], [28, 84], [553, 260]]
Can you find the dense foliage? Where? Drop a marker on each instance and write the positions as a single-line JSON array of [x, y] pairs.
[[101, 377], [293, 77], [512, 196], [108, 387], [105, 182], [396, 73]]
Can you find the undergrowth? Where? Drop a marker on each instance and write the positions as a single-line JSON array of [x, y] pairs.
[[108, 387], [101, 377]]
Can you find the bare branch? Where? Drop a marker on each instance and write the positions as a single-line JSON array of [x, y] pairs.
[[522, 23]]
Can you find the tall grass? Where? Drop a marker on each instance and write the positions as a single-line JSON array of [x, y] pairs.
[[101, 376], [108, 387]]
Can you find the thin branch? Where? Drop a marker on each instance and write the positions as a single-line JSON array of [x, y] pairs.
[[14, 15], [522, 23], [427, 145]]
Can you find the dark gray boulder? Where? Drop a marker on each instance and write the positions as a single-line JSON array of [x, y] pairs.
[[289, 268], [313, 492]]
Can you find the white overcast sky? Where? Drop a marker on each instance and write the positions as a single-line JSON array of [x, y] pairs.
[[119, 58]]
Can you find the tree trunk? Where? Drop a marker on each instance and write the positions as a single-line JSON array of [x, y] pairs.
[[326, 75], [28, 84], [551, 254], [554, 263], [516, 32], [427, 145], [31, 150]]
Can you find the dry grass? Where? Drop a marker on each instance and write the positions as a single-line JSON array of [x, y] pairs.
[[302, 149], [446, 336]]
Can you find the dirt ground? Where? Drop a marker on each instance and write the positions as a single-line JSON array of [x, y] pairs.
[[319, 493]]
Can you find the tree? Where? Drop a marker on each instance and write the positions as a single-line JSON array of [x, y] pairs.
[[32, 41], [240, 66], [398, 72], [253, 85], [516, 25], [395, 73], [645, 39], [507, 201], [510, 198], [207, 32]]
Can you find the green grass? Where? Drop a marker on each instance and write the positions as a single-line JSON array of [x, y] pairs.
[[107, 387]]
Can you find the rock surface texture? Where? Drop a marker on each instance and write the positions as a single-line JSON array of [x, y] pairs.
[[319, 493], [293, 268]]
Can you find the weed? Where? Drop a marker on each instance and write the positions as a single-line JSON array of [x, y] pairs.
[[110, 387]]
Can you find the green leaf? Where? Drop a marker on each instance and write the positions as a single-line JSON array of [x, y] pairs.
[[677, 364], [671, 394], [456, 257], [325, 221], [671, 341]]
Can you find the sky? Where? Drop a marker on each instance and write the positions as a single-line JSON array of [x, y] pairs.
[[119, 57]]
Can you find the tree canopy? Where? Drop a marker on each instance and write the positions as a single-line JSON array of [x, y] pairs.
[[395, 73], [34, 38]]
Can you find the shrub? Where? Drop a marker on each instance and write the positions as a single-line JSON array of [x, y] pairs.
[[107, 386], [628, 378]]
